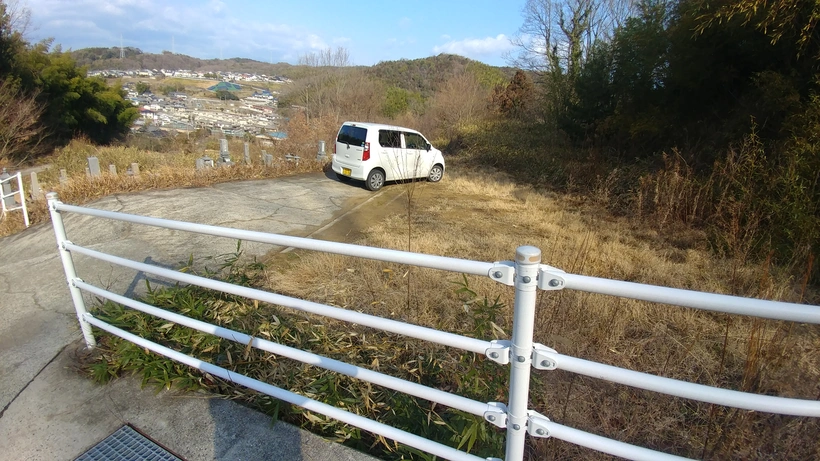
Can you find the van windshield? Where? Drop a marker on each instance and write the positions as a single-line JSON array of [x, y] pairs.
[[353, 135]]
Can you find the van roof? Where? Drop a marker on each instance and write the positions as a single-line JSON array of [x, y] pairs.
[[380, 126]]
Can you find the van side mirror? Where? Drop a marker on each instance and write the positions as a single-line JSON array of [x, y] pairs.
[[429, 146]]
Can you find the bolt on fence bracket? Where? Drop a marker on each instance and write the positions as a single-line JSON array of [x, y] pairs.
[[541, 359], [536, 424], [499, 351], [496, 414], [550, 278], [503, 272]]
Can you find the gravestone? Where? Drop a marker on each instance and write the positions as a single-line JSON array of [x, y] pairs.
[[247, 154], [224, 155], [204, 162], [94, 167], [63, 176], [320, 154], [135, 169], [112, 169], [36, 191]]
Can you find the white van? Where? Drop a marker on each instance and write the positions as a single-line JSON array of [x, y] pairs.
[[376, 153]]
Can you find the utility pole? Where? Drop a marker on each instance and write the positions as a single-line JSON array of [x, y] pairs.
[[122, 52]]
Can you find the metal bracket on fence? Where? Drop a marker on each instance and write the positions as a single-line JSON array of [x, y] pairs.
[[496, 414], [503, 272], [499, 351], [550, 278], [541, 359], [536, 424], [64, 243]]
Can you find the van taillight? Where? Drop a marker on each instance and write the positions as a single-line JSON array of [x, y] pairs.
[[366, 153]]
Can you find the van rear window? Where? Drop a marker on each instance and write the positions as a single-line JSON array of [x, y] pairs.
[[353, 135]]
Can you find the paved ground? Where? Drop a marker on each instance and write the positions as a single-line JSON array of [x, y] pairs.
[[49, 412]]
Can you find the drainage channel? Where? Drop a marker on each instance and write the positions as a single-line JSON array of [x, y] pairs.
[[127, 444]]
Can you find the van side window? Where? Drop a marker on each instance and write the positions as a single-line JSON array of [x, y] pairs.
[[414, 141], [390, 138]]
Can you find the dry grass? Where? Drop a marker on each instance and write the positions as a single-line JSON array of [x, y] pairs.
[[484, 215], [157, 171]]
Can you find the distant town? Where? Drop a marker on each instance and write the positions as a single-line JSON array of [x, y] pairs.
[[253, 115], [211, 75]]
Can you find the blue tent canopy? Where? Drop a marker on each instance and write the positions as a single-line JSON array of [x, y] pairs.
[[226, 86]]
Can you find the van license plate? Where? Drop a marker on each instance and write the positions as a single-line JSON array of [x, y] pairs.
[[346, 171]]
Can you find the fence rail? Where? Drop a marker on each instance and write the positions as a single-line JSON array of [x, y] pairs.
[[526, 274]]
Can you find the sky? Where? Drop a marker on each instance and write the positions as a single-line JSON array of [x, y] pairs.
[[282, 31]]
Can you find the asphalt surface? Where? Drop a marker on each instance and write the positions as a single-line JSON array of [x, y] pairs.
[[51, 412]]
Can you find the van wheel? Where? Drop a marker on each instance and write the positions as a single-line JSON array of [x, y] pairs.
[[375, 180], [435, 173]]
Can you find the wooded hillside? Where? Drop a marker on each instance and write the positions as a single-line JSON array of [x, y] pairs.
[[134, 58]]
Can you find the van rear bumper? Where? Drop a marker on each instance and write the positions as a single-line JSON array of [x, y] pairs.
[[356, 171]]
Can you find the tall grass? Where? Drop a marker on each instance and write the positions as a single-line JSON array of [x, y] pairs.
[[415, 361], [490, 215]]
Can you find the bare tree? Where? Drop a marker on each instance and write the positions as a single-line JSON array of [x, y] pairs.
[[19, 16], [460, 101], [21, 134], [340, 57], [556, 36]]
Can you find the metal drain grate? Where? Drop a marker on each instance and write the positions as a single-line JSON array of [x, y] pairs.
[[126, 444]]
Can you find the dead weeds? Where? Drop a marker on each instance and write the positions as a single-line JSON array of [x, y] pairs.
[[484, 215]]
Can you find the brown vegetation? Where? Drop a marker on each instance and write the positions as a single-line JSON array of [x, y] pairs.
[[490, 215], [21, 135], [157, 171]]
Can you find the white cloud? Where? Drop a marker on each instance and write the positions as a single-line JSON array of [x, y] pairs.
[[203, 30], [476, 47]]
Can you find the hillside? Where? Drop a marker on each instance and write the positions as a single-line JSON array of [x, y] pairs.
[[423, 75], [426, 75], [134, 58]]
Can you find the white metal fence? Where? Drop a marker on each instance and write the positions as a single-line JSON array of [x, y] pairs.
[[7, 195], [526, 274]]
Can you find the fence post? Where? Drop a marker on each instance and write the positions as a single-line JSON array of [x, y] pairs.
[[527, 260], [68, 266]]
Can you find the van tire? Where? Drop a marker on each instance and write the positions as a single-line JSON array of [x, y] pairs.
[[375, 179], [435, 173]]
